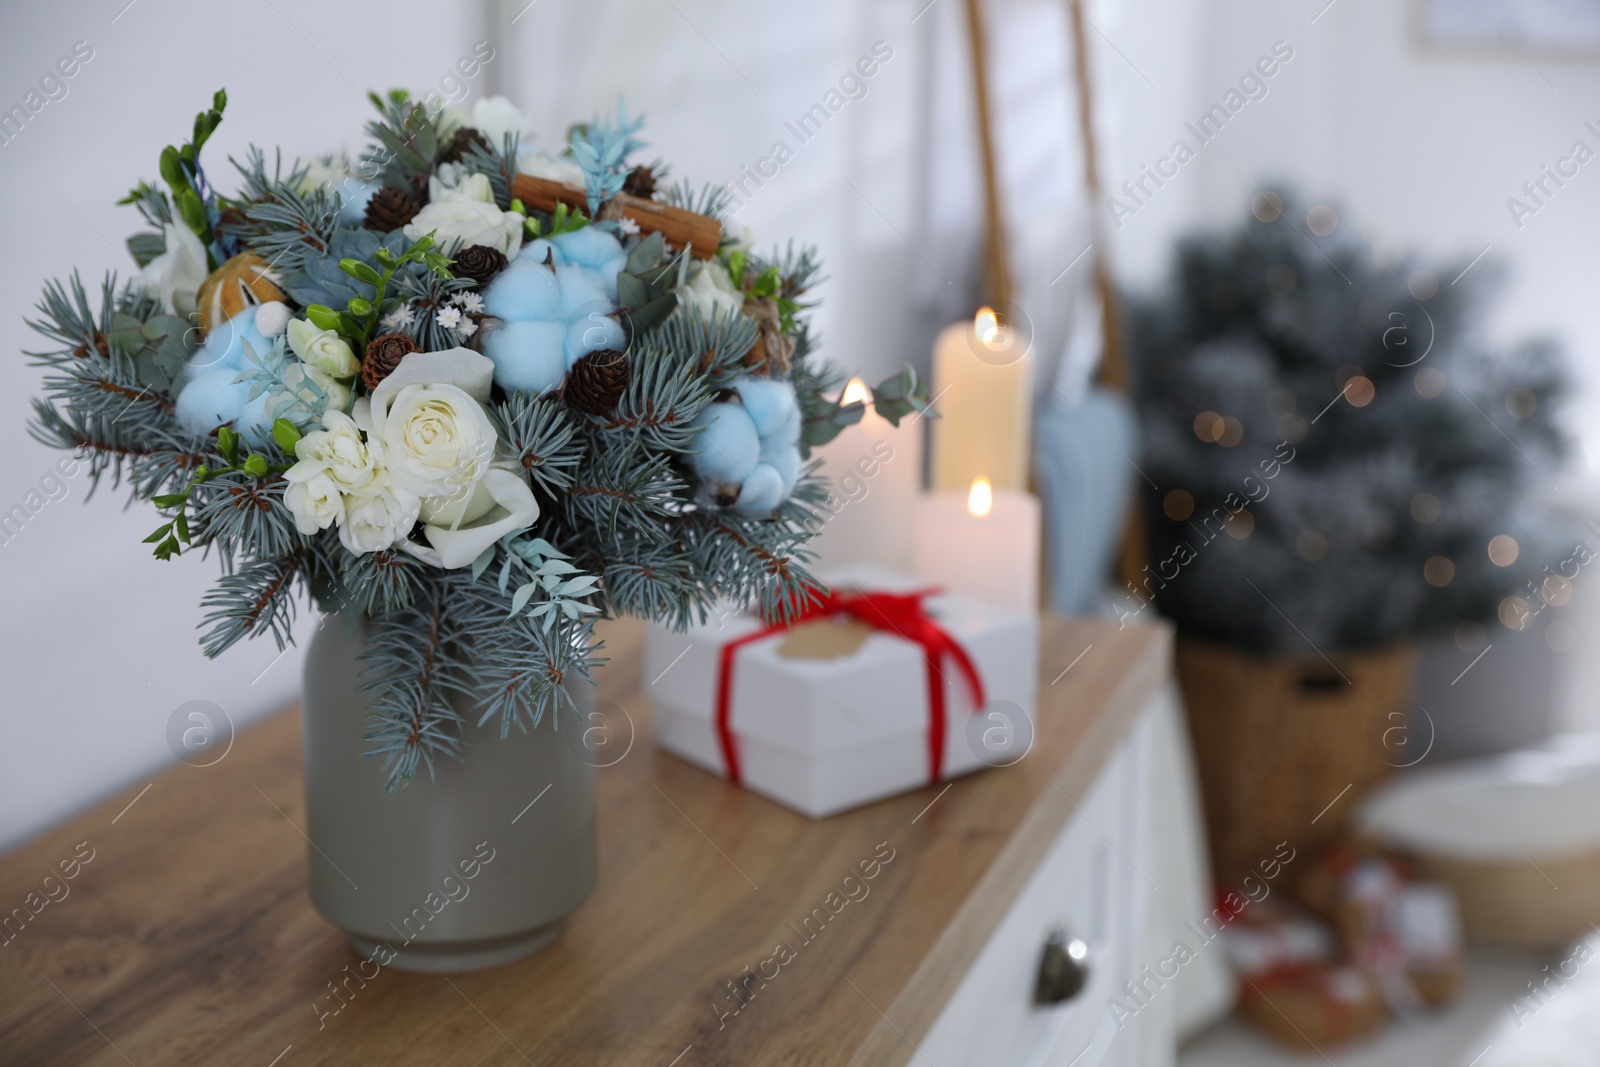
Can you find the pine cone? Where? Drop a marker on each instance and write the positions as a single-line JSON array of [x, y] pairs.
[[384, 354], [478, 262], [597, 381], [389, 209], [640, 182], [461, 143]]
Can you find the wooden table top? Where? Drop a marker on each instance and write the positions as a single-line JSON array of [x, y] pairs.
[[186, 935]]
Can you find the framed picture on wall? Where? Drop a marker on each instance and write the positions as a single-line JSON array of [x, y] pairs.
[[1548, 27]]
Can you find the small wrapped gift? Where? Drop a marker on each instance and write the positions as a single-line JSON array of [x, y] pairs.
[[1314, 1005], [884, 687]]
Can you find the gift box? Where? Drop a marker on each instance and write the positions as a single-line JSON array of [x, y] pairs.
[[873, 698]]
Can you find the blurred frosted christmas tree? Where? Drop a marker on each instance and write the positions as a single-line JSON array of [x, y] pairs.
[[1340, 458]]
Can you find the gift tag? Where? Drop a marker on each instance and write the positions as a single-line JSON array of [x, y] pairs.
[[833, 638]]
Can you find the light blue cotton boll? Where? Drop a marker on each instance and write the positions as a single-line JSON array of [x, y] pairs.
[[526, 291], [763, 490], [592, 332], [528, 357], [726, 449], [540, 250], [772, 406], [209, 393], [589, 247], [581, 289], [786, 461], [353, 199]]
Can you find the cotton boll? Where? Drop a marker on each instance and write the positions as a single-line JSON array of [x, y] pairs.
[[762, 491], [772, 406], [784, 460], [526, 291], [581, 288], [528, 357], [589, 247], [211, 399], [591, 332], [726, 449]]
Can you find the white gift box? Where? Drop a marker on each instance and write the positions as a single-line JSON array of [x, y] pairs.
[[822, 735]]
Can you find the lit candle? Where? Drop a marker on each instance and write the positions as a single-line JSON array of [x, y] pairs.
[[874, 470], [980, 377], [982, 544]]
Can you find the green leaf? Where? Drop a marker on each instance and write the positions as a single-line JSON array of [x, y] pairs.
[[228, 445], [287, 434], [192, 211], [256, 465], [180, 527], [169, 500], [632, 292], [647, 253], [172, 170], [646, 318], [481, 564], [159, 534], [523, 595], [360, 271]]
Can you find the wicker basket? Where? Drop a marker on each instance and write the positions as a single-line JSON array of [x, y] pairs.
[[1278, 740], [1519, 905]]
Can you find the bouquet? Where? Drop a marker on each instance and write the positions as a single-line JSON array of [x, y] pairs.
[[473, 393]]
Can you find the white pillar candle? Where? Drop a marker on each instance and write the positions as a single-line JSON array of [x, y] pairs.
[[874, 470], [982, 544], [980, 380]]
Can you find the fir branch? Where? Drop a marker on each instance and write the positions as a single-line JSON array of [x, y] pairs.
[[624, 487], [499, 165], [415, 668], [538, 433], [255, 599], [709, 200], [377, 584], [662, 400]]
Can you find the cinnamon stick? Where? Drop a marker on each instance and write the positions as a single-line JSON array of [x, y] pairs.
[[700, 233]]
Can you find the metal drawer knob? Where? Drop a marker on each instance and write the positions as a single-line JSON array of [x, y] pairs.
[[1063, 970]]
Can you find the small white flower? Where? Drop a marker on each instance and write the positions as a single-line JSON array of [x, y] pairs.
[[468, 301], [398, 319], [627, 226], [466, 215], [336, 451], [467, 328], [449, 317]]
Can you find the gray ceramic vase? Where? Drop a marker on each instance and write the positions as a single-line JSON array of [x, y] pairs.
[[470, 869]]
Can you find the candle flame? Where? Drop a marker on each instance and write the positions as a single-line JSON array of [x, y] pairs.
[[856, 390], [990, 330], [981, 500]]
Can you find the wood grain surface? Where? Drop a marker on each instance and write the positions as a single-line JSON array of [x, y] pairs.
[[188, 937]]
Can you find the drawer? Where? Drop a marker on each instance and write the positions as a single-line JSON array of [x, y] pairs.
[[1087, 885]]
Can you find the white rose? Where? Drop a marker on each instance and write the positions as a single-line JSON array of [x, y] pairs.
[[322, 349], [177, 274], [466, 215], [377, 517], [711, 290], [336, 452], [314, 501], [496, 116], [427, 428]]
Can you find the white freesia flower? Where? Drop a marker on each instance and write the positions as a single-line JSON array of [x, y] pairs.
[[314, 501], [322, 349], [177, 274], [336, 451], [711, 290], [496, 116], [426, 427], [377, 517], [466, 215]]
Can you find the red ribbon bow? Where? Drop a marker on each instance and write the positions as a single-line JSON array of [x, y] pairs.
[[901, 614]]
